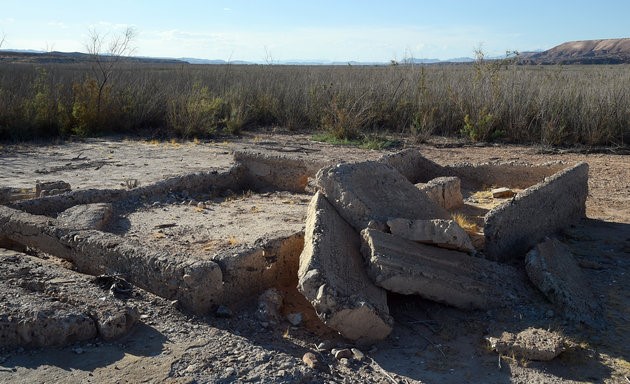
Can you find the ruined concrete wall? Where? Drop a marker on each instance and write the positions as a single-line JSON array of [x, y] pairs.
[[514, 227], [196, 284], [194, 182], [415, 167], [265, 172], [510, 175]]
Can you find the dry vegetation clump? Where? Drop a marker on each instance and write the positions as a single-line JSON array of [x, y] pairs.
[[484, 101]]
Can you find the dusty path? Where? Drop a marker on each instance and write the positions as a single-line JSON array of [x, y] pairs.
[[431, 342]]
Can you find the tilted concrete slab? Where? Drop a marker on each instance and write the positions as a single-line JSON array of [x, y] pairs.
[[553, 270], [442, 275], [373, 190], [333, 278], [44, 305], [514, 227]]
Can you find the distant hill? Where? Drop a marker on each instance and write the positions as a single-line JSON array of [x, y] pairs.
[[11, 56], [606, 51]]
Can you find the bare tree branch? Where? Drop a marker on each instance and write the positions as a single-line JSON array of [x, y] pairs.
[[104, 59]]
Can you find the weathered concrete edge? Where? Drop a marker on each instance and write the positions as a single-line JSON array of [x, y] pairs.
[[196, 284], [192, 182], [514, 227]]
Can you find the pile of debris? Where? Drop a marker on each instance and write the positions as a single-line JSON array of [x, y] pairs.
[[370, 230]]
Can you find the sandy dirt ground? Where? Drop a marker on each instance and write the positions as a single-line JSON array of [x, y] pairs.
[[431, 343]]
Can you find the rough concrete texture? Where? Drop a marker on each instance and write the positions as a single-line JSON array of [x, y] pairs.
[[438, 274], [443, 233], [505, 174], [444, 191], [265, 171], [530, 344], [332, 277], [194, 182], [514, 227], [373, 190], [47, 305], [88, 216], [196, 284], [413, 166], [553, 270]]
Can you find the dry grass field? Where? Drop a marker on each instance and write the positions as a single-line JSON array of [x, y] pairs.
[[482, 101]]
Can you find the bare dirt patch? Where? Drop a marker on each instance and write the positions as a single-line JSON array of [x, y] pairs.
[[430, 342]]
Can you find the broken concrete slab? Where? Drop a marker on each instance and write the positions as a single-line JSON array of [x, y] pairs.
[[444, 191], [513, 228], [442, 233], [553, 270], [49, 188], [530, 344], [88, 216], [48, 305], [502, 193], [332, 277], [446, 276], [373, 190]]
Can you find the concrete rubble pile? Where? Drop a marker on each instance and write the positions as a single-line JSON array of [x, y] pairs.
[[370, 230]]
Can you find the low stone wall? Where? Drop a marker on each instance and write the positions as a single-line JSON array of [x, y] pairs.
[[510, 175], [514, 227], [194, 182], [272, 172]]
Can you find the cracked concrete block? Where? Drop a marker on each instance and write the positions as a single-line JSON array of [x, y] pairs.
[[444, 191], [442, 233], [446, 276], [373, 190], [88, 216], [554, 271], [333, 279]]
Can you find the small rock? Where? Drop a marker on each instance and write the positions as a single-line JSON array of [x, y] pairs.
[[502, 193], [295, 318], [223, 312], [530, 344], [342, 353], [201, 205], [191, 368], [269, 304], [281, 373], [324, 346], [357, 354], [229, 371], [344, 361], [310, 359]]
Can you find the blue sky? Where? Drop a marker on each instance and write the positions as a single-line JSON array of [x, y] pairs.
[[340, 30]]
